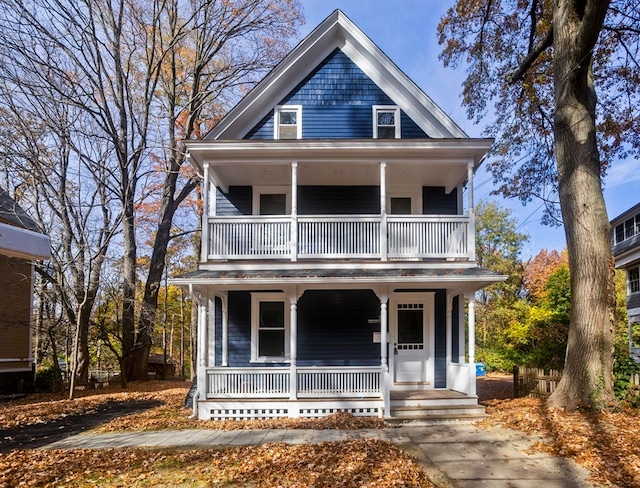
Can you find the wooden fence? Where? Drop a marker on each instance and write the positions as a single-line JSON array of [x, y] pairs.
[[540, 383], [534, 382]]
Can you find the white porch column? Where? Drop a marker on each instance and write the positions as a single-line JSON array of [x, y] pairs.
[[211, 332], [294, 211], [383, 211], [293, 346], [204, 251], [472, 344], [225, 330], [462, 340], [449, 328], [202, 342], [384, 364], [471, 236]]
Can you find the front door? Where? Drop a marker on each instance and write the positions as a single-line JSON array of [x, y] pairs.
[[411, 336]]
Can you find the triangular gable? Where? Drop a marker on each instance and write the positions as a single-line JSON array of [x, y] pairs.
[[343, 110], [336, 31]]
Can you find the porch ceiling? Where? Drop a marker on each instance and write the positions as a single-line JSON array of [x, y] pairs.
[[428, 162]]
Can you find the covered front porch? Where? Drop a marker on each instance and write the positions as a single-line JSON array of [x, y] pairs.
[[387, 347]]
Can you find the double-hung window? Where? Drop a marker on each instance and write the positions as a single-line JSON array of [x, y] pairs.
[[269, 327], [386, 122], [633, 280], [288, 122]]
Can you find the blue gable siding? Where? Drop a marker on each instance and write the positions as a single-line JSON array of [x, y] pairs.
[[336, 101], [333, 328], [436, 202]]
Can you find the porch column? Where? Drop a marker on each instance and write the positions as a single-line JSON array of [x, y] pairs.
[[449, 336], [211, 332], [225, 330], [202, 341], [471, 235], [204, 252], [383, 211], [293, 347], [294, 211], [472, 343], [384, 366]]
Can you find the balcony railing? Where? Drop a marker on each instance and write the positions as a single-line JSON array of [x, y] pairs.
[[395, 237]]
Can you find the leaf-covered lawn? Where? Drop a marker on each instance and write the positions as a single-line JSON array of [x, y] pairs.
[[606, 443], [357, 464]]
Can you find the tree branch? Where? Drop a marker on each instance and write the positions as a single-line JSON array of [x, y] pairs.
[[546, 42]]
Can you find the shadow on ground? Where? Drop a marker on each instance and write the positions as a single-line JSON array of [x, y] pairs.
[[38, 435]]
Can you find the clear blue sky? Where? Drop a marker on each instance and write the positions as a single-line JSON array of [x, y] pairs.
[[406, 31]]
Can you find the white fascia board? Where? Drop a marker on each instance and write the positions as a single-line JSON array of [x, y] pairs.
[[628, 259], [444, 151], [22, 243]]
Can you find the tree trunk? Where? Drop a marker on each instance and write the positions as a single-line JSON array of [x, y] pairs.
[[587, 380], [129, 292]]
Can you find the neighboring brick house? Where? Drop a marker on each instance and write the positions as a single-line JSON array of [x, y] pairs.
[[337, 255], [21, 243], [625, 240]]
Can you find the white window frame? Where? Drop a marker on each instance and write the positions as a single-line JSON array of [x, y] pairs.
[[276, 119], [386, 108], [630, 281], [259, 190], [256, 298]]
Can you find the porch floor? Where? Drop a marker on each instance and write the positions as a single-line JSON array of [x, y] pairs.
[[426, 395]]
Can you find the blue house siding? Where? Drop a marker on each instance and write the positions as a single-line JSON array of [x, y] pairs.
[[436, 202], [455, 329], [334, 328], [336, 100], [239, 315], [327, 200], [440, 360], [237, 202]]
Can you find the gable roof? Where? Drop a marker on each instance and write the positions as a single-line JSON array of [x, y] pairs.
[[20, 236], [336, 31], [13, 214]]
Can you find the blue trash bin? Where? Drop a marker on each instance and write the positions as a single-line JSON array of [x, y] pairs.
[[480, 369]]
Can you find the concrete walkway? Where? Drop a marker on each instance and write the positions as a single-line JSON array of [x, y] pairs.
[[459, 455]]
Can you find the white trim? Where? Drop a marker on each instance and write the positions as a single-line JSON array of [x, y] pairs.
[[256, 298], [276, 120], [396, 119], [266, 190], [21, 243]]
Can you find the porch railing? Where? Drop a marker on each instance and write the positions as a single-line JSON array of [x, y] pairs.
[[275, 382], [348, 382], [339, 236]]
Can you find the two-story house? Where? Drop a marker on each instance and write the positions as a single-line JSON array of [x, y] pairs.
[[625, 239], [337, 254], [21, 243]]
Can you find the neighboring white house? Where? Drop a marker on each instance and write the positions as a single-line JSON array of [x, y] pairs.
[[21, 243], [338, 251], [625, 239]]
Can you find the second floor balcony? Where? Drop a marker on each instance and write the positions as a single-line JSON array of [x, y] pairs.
[[358, 237]]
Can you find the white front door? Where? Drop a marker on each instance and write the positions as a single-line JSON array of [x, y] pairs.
[[412, 343]]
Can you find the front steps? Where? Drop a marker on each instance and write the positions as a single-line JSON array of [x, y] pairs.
[[435, 406]]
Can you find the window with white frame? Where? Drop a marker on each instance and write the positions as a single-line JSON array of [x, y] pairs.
[[288, 122], [269, 327], [627, 229], [633, 280], [386, 122]]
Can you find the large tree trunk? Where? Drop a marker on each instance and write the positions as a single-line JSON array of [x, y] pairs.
[[587, 380], [128, 292]]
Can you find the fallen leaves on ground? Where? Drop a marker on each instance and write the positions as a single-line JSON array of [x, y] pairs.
[[607, 443], [361, 464], [169, 414]]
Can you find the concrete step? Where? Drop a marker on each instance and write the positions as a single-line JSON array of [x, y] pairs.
[[437, 413]]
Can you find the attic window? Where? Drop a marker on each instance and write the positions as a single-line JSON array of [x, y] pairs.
[[386, 122], [288, 122]]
